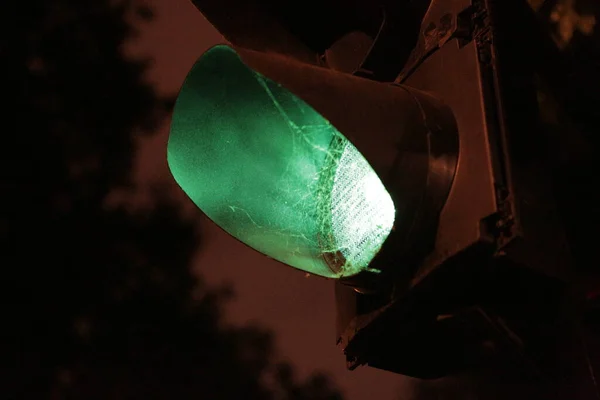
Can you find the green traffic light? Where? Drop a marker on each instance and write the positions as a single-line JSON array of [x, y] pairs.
[[274, 173]]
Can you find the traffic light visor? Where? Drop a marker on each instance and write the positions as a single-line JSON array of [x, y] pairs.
[[273, 172]]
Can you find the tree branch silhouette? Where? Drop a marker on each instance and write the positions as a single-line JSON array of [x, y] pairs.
[[100, 300]]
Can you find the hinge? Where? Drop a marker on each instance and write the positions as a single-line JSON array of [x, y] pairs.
[[482, 31]]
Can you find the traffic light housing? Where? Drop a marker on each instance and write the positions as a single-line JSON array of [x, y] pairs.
[[405, 172]]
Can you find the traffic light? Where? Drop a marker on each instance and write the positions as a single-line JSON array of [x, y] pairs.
[[393, 147], [289, 183]]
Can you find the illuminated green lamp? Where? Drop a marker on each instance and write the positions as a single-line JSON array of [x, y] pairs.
[[274, 173]]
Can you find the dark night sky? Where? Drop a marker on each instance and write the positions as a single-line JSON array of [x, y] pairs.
[[299, 310]]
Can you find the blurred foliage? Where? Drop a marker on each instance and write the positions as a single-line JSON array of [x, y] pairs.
[[569, 95], [99, 299], [568, 17]]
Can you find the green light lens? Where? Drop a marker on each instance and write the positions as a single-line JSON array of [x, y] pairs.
[[274, 173]]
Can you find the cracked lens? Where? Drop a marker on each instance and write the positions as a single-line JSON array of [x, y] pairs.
[[274, 173]]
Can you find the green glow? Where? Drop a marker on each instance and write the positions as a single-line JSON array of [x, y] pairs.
[[273, 172]]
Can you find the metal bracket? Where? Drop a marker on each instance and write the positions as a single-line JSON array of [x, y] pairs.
[[436, 31]]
